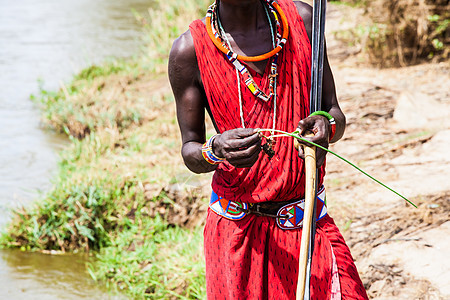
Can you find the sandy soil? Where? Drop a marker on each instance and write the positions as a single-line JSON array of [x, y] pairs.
[[398, 130]]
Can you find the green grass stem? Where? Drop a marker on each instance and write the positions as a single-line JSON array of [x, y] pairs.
[[296, 135]]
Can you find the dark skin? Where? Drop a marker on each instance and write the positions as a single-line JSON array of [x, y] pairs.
[[247, 28]]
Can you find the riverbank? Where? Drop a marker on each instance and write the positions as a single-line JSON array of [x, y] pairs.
[[118, 173], [124, 195], [124, 151]]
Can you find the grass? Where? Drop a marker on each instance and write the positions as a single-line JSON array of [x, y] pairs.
[[124, 151], [351, 3], [400, 33], [155, 261]]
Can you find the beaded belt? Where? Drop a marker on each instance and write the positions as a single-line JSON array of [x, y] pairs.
[[289, 214]]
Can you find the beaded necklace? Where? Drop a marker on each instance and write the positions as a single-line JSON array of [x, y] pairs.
[[218, 36], [219, 42], [274, 78]]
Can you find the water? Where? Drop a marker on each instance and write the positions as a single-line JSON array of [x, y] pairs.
[[40, 276], [48, 40]]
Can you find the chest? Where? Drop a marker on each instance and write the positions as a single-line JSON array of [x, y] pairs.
[[252, 45]]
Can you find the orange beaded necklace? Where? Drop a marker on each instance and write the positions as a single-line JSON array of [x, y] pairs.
[[217, 41]]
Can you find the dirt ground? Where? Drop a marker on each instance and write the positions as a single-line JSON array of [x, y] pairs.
[[398, 130]]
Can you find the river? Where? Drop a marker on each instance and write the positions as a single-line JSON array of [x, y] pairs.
[[48, 41]]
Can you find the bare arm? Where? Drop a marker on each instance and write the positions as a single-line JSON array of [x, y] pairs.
[[239, 146], [190, 102]]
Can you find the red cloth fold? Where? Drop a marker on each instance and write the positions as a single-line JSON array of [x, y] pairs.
[[281, 178], [252, 258]]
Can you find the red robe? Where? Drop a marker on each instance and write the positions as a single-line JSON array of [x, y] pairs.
[[252, 258]]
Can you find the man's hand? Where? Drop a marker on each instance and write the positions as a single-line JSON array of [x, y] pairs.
[[320, 127], [240, 147]]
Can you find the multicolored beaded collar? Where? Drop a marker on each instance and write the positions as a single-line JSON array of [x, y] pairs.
[[218, 41], [218, 37]]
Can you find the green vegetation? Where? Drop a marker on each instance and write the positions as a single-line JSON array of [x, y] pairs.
[[401, 32], [351, 3], [113, 195], [154, 260]]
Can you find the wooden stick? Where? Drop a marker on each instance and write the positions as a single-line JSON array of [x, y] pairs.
[[310, 186]]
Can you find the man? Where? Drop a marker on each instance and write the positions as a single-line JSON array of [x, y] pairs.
[[248, 64]]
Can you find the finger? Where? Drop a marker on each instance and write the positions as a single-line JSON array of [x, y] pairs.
[[244, 132], [308, 135], [319, 139], [244, 158], [302, 127], [245, 162], [242, 143], [299, 144], [305, 143], [306, 124], [244, 153]]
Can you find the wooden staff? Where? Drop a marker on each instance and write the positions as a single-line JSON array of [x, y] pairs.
[[310, 191], [309, 216]]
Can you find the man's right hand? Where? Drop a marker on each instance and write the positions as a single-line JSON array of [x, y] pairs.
[[240, 147]]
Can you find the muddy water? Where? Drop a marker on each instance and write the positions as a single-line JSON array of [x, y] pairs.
[[40, 276], [48, 40]]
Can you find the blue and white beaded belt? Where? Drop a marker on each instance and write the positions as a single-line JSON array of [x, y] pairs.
[[227, 209], [289, 216]]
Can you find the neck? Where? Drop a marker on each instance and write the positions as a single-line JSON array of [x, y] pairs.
[[242, 15]]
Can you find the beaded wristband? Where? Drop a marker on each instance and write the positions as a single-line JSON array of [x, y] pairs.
[[208, 153], [330, 119]]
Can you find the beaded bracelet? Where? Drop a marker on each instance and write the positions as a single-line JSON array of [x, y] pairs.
[[330, 119], [208, 153]]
